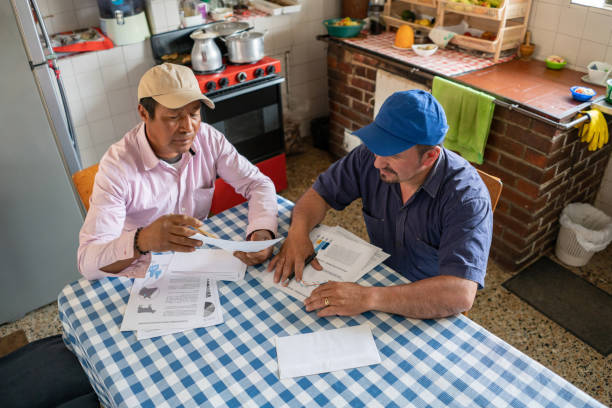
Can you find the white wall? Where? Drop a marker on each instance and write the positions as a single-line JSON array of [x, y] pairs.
[[580, 34], [101, 87]]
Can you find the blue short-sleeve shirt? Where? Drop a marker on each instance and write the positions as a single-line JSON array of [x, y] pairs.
[[445, 228]]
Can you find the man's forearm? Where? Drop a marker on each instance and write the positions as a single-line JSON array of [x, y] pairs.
[[309, 211], [430, 298]]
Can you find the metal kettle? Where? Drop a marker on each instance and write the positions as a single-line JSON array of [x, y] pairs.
[[205, 55]]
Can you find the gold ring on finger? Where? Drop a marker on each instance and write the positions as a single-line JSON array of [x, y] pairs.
[[326, 301]]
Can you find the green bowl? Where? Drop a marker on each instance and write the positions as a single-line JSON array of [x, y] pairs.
[[343, 31], [555, 65]]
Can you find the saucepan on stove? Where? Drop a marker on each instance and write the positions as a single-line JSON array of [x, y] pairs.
[[245, 48], [225, 28]]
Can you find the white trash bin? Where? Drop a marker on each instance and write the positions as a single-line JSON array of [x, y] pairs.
[[584, 231]]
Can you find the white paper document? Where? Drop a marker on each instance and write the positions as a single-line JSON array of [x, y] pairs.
[[167, 301], [231, 246], [325, 351], [343, 256], [210, 263], [211, 315]]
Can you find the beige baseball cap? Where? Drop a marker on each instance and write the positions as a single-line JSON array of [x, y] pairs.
[[171, 85]]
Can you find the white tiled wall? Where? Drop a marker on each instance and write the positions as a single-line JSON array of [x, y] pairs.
[[604, 197], [102, 86], [66, 15], [293, 35], [163, 15], [580, 34]]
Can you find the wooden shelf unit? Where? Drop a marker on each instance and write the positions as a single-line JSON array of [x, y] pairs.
[[508, 22]]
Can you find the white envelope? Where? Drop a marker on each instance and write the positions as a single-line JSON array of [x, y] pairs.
[[325, 351]]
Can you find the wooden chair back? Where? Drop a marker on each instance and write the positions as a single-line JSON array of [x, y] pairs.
[[494, 184], [84, 182]]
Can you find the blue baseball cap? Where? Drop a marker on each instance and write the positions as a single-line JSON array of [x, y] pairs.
[[406, 118]]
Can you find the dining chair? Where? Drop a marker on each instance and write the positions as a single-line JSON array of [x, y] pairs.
[[225, 196], [84, 182], [494, 185]]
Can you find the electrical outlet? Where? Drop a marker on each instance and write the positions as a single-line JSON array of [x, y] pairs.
[[350, 141]]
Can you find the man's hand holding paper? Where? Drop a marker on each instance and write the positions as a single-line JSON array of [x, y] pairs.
[[170, 233], [255, 258]]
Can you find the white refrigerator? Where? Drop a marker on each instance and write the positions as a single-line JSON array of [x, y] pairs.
[[40, 212]]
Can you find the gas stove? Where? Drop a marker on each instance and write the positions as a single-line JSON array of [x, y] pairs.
[[238, 74]]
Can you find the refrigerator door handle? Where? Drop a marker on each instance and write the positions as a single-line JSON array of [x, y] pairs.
[[43, 29]]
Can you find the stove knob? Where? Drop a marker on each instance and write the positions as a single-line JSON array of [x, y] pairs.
[[223, 82], [211, 86], [270, 69], [241, 77], [258, 72]]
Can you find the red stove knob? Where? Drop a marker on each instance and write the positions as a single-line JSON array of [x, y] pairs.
[[223, 82], [258, 72], [210, 86], [270, 69], [241, 77]]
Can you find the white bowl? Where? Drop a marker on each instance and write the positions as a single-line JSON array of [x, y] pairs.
[[423, 51], [221, 13]]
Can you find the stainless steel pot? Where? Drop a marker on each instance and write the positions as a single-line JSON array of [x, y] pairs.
[[205, 55], [225, 28], [245, 48]]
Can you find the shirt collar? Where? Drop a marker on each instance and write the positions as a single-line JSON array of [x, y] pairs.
[[149, 159], [436, 175]]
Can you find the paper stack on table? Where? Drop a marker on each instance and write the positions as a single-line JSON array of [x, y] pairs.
[[180, 292], [343, 256]]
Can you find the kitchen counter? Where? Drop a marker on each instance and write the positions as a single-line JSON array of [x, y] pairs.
[[539, 158], [531, 84], [528, 84]]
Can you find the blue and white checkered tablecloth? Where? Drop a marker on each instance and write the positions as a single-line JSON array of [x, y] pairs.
[[444, 362]]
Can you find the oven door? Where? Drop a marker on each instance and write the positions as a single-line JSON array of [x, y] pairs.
[[250, 117]]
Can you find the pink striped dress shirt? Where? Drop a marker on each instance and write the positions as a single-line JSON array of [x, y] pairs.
[[133, 188]]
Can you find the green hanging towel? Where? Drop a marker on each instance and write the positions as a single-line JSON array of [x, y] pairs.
[[469, 115]]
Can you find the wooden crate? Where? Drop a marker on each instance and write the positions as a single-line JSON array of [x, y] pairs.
[[508, 22], [507, 38], [511, 8], [393, 11]]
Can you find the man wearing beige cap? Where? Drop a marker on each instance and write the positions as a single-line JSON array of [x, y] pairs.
[[157, 182]]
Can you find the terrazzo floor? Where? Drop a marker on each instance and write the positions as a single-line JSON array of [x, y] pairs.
[[495, 308]]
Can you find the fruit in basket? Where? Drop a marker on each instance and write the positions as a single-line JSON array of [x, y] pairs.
[[423, 21], [487, 35], [408, 15], [346, 21], [556, 59], [404, 38]]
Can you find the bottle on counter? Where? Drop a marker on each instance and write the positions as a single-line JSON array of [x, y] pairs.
[[376, 23]]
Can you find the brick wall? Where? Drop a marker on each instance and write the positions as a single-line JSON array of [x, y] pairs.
[[542, 168]]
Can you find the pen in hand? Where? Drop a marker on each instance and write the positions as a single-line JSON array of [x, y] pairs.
[[307, 261]]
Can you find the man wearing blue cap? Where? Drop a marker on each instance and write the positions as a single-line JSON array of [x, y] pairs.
[[424, 205]]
